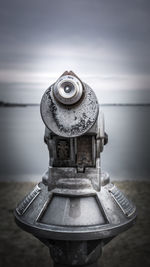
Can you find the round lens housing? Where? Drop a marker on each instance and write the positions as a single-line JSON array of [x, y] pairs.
[[68, 90]]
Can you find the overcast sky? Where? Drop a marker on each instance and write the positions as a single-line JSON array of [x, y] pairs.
[[106, 42]]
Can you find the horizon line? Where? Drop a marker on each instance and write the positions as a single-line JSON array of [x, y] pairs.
[[11, 104]]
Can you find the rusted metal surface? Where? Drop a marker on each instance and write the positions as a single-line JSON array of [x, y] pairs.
[[69, 121]]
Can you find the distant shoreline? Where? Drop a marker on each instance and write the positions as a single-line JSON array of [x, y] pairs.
[[23, 105], [9, 104]]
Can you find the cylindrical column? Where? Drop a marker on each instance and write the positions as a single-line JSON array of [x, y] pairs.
[[75, 253]]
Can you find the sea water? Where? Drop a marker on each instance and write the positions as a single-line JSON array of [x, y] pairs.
[[24, 155]]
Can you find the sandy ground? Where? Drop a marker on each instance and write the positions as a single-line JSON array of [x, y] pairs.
[[20, 249]]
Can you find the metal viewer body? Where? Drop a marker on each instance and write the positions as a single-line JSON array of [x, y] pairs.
[[75, 210]]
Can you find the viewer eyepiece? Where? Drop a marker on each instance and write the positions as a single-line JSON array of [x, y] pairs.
[[68, 90]]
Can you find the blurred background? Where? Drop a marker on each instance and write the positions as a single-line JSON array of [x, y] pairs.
[[107, 44]]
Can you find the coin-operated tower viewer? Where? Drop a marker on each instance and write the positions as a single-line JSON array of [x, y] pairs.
[[75, 210]]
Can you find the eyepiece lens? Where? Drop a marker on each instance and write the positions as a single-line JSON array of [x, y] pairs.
[[67, 89]]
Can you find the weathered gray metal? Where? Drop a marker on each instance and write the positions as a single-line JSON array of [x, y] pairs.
[[75, 210], [69, 119]]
